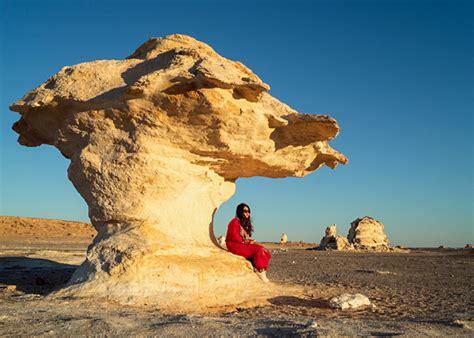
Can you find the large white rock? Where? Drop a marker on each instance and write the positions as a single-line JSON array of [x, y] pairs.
[[156, 142], [368, 233]]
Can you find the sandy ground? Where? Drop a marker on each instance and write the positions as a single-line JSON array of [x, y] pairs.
[[420, 293]]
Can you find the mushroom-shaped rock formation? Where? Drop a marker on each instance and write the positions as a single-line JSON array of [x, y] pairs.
[[283, 238], [156, 142], [368, 233]]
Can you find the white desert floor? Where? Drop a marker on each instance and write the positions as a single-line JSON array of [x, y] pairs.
[[420, 293]]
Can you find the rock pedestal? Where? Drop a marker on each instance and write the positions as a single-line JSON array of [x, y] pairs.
[[155, 143]]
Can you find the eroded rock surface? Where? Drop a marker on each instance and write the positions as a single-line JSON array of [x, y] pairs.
[[333, 241], [156, 142], [368, 233], [348, 301]]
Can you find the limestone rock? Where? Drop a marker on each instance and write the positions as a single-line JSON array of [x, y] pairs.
[[221, 241], [348, 301], [333, 241], [331, 230], [284, 238], [155, 143], [368, 233]]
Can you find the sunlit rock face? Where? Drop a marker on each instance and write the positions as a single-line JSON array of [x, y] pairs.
[[368, 233], [156, 142], [333, 241]]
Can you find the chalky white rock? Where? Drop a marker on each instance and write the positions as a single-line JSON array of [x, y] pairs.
[[155, 143]]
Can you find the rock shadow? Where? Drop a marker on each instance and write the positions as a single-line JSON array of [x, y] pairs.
[[385, 334], [295, 301], [34, 275]]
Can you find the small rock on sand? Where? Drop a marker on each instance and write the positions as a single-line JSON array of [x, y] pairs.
[[349, 301], [8, 288]]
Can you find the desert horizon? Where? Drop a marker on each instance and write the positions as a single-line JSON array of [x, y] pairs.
[[408, 291], [87, 230]]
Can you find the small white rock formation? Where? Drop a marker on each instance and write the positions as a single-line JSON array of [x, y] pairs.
[[349, 301], [312, 324], [331, 231], [368, 233], [155, 143], [221, 242], [283, 238], [333, 241]]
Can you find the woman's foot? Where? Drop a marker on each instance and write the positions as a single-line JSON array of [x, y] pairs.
[[262, 274]]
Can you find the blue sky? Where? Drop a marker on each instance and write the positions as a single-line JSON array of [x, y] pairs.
[[397, 75]]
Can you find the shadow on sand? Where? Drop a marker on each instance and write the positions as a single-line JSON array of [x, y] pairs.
[[34, 275], [295, 301]]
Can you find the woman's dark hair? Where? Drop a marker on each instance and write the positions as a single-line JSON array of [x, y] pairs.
[[246, 223]]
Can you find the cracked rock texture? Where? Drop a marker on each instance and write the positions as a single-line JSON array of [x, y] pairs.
[[333, 241], [368, 233], [155, 143]]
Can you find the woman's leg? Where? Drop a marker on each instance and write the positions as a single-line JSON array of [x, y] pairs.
[[261, 258], [255, 252]]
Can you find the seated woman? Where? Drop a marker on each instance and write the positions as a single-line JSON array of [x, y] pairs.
[[238, 241]]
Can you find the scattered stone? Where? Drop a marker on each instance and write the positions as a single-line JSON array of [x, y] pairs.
[[221, 242], [8, 287], [381, 272], [462, 323], [312, 324], [367, 233], [349, 301], [284, 238]]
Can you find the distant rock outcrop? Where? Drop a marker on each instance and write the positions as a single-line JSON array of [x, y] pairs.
[[283, 238], [156, 142], [334, 241], [367, 233]]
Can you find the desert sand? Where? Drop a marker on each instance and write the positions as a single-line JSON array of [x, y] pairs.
[[425, 292]]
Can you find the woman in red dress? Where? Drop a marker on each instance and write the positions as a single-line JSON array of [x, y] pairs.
[[238, 241]]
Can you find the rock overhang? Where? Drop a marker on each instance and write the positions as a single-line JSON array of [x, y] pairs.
[[156, 142]]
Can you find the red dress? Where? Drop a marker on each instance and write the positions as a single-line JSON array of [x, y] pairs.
[[257, 254]]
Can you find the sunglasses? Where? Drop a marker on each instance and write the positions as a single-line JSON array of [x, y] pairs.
[[246, 211]]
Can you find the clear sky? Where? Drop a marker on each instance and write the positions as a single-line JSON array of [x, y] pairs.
[[397, 75]]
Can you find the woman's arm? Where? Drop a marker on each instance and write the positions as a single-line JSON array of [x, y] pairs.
[[233, 232]]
